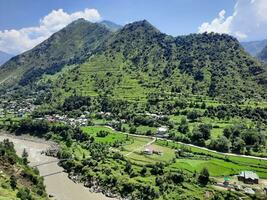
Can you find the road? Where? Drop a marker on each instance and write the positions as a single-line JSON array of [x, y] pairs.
[[190, 145]]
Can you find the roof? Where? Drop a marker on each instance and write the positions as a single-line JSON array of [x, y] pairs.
[[249, 174], [163, 129]]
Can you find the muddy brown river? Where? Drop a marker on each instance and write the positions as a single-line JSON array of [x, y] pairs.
[[56, 181]]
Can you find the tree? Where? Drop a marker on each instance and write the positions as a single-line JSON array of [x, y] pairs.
[[183, 126], [128, 168], [205, 130], [143, 171], [221, 144], [192, 115], [25, 156], [132, 129], [24, 194], [238, 145], [157, 169], [13, 182], [203, 177]]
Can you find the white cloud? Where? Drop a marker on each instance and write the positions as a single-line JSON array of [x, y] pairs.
[[17, 41], [248, 21]]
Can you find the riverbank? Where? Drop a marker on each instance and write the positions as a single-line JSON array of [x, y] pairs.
[[56, 180]]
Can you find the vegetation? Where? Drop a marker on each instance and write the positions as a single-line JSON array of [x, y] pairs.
[[18, 180], [200, 89]]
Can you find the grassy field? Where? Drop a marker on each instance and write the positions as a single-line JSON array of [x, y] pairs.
[[112, 137], [218, 164]]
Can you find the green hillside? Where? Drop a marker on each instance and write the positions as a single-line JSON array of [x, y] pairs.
[[17, 179], [72, 44], [138, 61]]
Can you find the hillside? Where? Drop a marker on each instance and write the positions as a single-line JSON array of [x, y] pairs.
[[4, 57], [72, 44], [17, 179], [254, 47], [263, 54], [139, 61]]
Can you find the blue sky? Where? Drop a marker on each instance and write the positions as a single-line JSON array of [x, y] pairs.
[[26, 23], [174, 17]]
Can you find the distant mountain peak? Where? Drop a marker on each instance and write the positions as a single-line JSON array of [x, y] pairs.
[[4, 57], [142, 25], [110, 25]]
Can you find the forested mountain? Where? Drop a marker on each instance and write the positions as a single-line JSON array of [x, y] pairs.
[[4, 57], [254, 47], [263, 54], [72, 44], [138, 60]]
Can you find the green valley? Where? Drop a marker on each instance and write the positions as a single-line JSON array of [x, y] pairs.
[[139, 114]]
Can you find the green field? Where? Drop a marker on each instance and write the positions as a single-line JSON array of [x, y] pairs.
[[218, 164], [112, 137]]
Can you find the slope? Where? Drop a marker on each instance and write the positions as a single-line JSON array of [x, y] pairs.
[[72, 44], [254, 47], [4, 57], [263, 54], [140, 63]]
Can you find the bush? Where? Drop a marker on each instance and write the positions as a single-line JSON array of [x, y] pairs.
[[203, 177]]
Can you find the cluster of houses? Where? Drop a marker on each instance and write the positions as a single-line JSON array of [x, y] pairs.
[[80, 121], [16, 108]]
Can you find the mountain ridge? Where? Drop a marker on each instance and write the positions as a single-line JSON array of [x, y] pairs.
[[208, 64], [4, 57], [70, 45], [254, 47]]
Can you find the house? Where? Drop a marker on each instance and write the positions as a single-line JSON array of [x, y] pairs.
[[248, 177], [226, 181], [148, 150]]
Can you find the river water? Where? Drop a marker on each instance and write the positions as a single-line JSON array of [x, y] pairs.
[[56, 181]]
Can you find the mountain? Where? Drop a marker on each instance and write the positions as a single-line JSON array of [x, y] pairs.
[[138, 62], [263, 54], [4, 57], [71, 45], [254, 47], [111, 25]]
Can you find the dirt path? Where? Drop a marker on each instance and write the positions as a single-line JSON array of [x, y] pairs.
[[142, 147]]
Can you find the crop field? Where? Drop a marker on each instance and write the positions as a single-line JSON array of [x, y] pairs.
[[141, 158], [218, 164], [112, 137]]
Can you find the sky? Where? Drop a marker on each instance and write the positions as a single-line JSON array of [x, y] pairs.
[[26, 23]]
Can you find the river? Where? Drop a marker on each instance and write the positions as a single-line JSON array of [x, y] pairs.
[[56, 181]]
